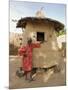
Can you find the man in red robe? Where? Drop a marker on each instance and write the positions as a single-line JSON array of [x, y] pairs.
[[26, 52]]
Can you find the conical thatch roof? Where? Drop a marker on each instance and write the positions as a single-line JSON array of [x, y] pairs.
[[23, 22]]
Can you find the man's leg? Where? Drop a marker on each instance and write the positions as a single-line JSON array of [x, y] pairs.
[[30, 76], [26, 75]]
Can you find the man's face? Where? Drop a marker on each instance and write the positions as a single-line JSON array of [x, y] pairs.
[[29, 42]]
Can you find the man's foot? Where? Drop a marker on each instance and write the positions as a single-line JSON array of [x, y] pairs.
[[31, 80]]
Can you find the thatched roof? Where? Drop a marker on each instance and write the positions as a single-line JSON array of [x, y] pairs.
[[23, 22]]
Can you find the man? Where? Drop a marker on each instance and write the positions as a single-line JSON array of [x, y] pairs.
[[26, 52]]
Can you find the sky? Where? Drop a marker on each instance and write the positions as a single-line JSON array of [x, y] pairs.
[[20, 9]]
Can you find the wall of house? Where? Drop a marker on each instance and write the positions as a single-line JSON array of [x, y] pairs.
[[48, 54]]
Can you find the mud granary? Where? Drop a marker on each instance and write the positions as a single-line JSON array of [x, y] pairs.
[[41, 28]]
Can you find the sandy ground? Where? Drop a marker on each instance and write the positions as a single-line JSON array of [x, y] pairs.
[[42, 79]]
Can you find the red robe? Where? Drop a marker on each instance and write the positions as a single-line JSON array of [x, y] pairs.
[[26, 51]]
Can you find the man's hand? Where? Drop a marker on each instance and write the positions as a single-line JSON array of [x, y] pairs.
[[41, 42]]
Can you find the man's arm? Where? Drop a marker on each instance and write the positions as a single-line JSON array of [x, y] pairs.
[[37, 44]]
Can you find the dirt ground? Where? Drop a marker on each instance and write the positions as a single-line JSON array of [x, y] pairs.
[[42, 79]]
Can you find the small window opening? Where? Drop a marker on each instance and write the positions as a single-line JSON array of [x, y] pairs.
[[40, 36]]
